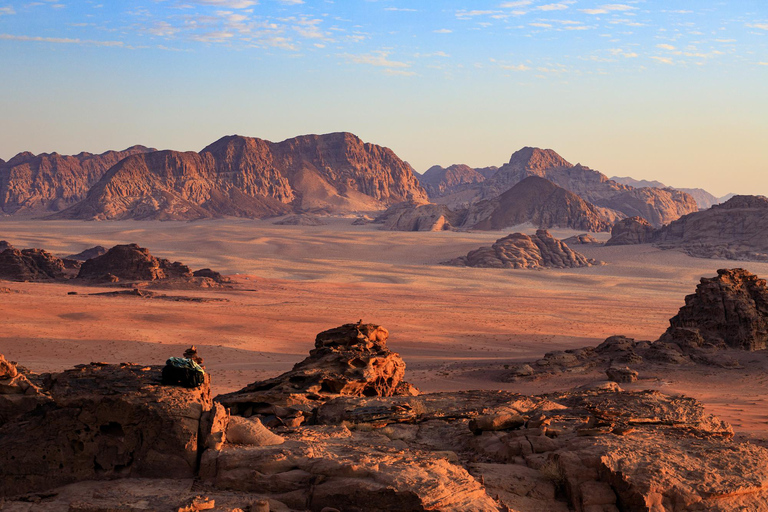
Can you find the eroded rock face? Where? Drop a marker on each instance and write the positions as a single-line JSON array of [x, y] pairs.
[[542, 203], [582, 239], [351, 360], [132, 263], [631, 231], [523, 251], [30, 265], [101, 421], [415, 216], [730, 309]]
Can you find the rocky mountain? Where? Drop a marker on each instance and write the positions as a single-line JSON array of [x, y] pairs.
[[703, 198], [249, 177], [659, 206], [439, 181], [736, 230], [36, 184], [519, 250], [541, 202]]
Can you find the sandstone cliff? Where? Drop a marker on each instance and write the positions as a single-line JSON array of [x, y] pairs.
[[438, 181], [36, 184], [249, 177], [541, 202]]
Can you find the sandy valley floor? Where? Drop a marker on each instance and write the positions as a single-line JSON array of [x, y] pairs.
[[456, 328]]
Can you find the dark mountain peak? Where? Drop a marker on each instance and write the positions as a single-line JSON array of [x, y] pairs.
[[22, 157], [744, 201]]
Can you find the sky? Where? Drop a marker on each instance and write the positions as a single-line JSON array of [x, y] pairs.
[[675, 91]]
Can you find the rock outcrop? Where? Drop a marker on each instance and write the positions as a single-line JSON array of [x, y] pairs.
[[730, 309], [36, 184], [523, 251], [30, 265], [301, 220], [540, 202], [132, 263], [736, 229], [351, 360], [102, 421], [582, 239], [248, 177], [631, 231], [703, 198], [415, 216]]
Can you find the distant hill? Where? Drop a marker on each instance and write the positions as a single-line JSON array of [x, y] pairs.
[[540, 202], [660, 206], [250, 177], [703, 198], [439, 181], [736, 229], [38, 184]]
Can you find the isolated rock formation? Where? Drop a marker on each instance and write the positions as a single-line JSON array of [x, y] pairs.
[[540, 202], [519, 250], [101, 421], [132, 263], [87, 254], [631, 231], [583, 239], [248, 177], [658, 205], [50, 182], [415, 216], [730, 309], [349, 360], [30, 265]]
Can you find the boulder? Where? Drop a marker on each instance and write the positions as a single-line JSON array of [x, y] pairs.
[[351, 360], [621, 375], [631, 231]]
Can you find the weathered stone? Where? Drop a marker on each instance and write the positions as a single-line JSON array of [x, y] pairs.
[[621, 375]]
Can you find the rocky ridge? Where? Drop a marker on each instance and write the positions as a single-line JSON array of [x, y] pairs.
[[249, 177], [438, 181], [659, 205], [415, 216], [732, 230], [36, 184], [521, 251]]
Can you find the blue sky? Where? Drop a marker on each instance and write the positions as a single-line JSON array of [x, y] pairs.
[[668, 90]]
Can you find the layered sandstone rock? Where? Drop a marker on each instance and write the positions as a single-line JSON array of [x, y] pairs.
[[132, 263], [102, 421], [523, 251], [631, 231], [415, 216], [540, 202], [730, 309], [30, 265], [50, 182], [248, 177], [736, 229], [351, 360]]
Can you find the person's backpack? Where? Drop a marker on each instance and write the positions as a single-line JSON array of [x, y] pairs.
[[179, 371]]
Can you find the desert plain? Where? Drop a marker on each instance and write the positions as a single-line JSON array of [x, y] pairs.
[[456, 328]]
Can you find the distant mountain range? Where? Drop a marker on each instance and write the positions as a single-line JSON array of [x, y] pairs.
[[460, 186], [703, 198], [234, 176], [325, 174]]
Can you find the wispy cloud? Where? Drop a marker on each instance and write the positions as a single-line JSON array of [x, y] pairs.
[[605, 9], [230, 4], [378, 58], [59, 40], [6, 11], [761, 26]]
